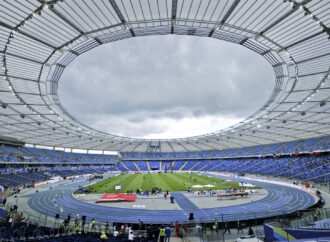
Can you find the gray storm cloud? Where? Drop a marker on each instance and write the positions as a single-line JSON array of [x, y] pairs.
[[144, 87]]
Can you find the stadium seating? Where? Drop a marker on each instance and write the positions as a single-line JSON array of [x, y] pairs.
[[299, 160]]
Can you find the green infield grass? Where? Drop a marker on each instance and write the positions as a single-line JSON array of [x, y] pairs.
[[165, 181]]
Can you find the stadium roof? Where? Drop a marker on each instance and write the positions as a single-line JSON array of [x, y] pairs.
[[38, 39]]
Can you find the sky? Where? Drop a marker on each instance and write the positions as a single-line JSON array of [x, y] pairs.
[[165, 86]]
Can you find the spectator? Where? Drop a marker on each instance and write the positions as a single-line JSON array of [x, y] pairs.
[[77, 228], [150, 233], [161, 234], [156, 231], [140, 224], [177, 228], [226, 228], [167, 234], [131, 236], [124, 230], [239, 227], [93, 225], [251, 231], [107, 227], [200, 232], [185, 227], [216, 226]]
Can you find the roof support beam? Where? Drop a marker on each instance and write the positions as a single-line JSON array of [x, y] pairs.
[[116, 8], [173, 17], [120, 15], [179, 143], [169, 144], [135, 147], [230, 11], [281, 18], [105, 28], [21, 57], [302, 40], [61, 16], [309, 59], [26, 35], [224, 19], [22, 78]]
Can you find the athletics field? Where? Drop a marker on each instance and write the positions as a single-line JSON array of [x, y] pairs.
[[165, 181]]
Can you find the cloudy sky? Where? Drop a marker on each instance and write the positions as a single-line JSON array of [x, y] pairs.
[[165, 86]]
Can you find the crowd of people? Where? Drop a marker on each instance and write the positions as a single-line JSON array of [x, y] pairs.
[[152, 191]]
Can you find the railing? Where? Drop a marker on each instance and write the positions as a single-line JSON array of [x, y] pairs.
[[311, 219], [189, 231]]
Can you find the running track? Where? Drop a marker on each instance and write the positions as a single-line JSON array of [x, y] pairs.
[[280, 200]]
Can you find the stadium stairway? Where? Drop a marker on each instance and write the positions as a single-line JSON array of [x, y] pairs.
[[205, 165], [216, 166], [137, 167], [180, 169], [192, 168], [123, 165]]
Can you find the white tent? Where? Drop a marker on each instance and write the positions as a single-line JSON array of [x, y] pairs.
[[197, 186], [209, 185]]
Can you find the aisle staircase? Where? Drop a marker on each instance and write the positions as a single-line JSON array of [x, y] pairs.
[[137, 167], [183, 165], [124, 165], [194, 166]]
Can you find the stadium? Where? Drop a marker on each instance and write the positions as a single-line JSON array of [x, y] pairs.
[[266, 177]]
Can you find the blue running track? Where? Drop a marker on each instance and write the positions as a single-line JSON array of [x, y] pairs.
[[183, 201], [280, 200]]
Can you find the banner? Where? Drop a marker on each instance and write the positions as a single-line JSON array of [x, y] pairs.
[[53, 180], [113, 197]]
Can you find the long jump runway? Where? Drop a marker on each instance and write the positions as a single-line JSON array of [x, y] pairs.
[[280, 200]]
